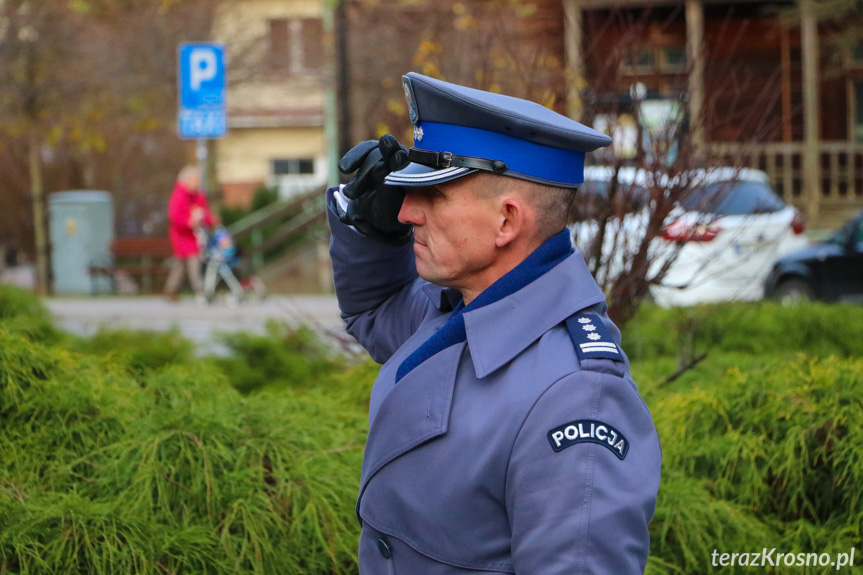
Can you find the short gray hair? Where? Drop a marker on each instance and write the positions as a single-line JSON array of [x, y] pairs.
[[552, 203]]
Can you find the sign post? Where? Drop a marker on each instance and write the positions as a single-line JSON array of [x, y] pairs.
[[202, 113]]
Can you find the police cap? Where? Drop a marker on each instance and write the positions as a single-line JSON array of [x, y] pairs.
[[459, 130]]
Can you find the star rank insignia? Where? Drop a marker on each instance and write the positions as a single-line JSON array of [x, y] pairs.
[[592, 340]]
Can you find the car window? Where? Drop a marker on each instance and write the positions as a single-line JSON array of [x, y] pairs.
[[592, 199], [588, 201], [733, 199], [593, 190], [636, 197], [852, 228]]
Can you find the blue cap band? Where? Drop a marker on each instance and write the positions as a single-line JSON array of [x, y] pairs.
[[531, 161]]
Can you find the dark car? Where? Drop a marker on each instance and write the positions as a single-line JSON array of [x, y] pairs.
[[828, 271]]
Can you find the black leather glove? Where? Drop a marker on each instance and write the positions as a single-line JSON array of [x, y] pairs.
[[374, 206]]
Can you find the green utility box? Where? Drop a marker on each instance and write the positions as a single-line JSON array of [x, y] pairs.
[[82, 229]]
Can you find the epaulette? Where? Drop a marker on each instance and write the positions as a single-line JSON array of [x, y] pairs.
[[591, 338]]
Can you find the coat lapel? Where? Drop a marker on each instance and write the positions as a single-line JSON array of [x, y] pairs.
[[549, 300], [416, 410]]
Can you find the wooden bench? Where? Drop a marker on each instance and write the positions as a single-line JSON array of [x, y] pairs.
[[142, 258]]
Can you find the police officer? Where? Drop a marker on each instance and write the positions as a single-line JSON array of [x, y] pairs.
[[506, 433]]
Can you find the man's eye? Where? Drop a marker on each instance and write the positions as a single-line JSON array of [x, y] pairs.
[[429, 193]]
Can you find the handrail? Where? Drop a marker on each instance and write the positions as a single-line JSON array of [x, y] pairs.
[[839, 167], [272, 213], [290, 229], [273, 226]]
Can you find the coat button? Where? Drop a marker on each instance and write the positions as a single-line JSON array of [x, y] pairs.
[[385, 549]]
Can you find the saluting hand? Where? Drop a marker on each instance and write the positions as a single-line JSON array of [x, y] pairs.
[[374, 206]]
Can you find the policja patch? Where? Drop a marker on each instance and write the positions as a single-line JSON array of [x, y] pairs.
[[588, 431]]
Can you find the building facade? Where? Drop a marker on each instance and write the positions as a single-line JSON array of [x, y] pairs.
[[276, 88], [765, 84]]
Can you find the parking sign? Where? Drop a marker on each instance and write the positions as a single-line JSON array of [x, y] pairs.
[[202, 91]]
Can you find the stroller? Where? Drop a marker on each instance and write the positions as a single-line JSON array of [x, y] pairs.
[[221, 262]]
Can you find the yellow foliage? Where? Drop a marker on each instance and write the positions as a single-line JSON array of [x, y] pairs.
[[165, 5], [498, 60], [147, 124], [465, 22], [548, 99], [381, 128], [395, 106], [388, 83], [431, 69], [458, 9], [428, 47], [79, 6], [95, 115], [54, 136], [552, 62], [495, 88], [95, 142], [525, 10], [425, 51]]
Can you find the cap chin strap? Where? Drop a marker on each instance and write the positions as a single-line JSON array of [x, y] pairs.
[[441, 160]]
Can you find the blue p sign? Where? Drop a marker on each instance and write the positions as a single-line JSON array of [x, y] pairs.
[[202, 91], [203, 67]]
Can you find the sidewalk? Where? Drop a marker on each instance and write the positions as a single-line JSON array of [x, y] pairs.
[[84, 316]]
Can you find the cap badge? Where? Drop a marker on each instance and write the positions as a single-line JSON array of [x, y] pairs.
[[413, 113], [418, 133]]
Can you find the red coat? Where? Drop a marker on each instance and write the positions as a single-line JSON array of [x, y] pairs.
[[181, 230]]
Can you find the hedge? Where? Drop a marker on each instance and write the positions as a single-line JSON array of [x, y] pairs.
[[126, 453]]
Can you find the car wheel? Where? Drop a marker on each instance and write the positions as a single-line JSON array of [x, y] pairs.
[[793, 291]]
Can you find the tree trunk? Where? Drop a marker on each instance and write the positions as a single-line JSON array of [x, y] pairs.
[[37, 193]]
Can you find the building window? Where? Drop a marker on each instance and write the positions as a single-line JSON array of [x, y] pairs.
[[858, 110], [294, 167], [673, 59], [857, 55], [296, 45], [294, 176], [640, 61], [669, 59]]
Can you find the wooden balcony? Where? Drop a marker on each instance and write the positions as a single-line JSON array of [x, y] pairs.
[[840, 173]]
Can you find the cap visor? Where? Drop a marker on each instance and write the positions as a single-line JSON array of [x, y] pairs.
[[418, 175]]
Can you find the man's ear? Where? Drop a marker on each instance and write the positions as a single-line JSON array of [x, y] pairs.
[[512, 220]]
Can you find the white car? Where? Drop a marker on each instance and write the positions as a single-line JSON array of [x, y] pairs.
[[723, 235]]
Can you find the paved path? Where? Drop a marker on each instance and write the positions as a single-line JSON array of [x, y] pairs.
[[85, 316]]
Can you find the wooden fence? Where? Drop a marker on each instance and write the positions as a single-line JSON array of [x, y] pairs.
[[840, 167]]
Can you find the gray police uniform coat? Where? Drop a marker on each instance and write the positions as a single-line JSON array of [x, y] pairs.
[[471, 464]]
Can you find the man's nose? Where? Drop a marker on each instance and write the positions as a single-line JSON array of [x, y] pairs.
[[409, 212]]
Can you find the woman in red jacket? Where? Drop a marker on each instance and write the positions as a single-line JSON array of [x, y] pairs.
[[188, 212]]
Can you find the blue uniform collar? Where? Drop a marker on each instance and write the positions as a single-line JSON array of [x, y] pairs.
[[444, 299], [552, 252], [535, 309], [499, 331]]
